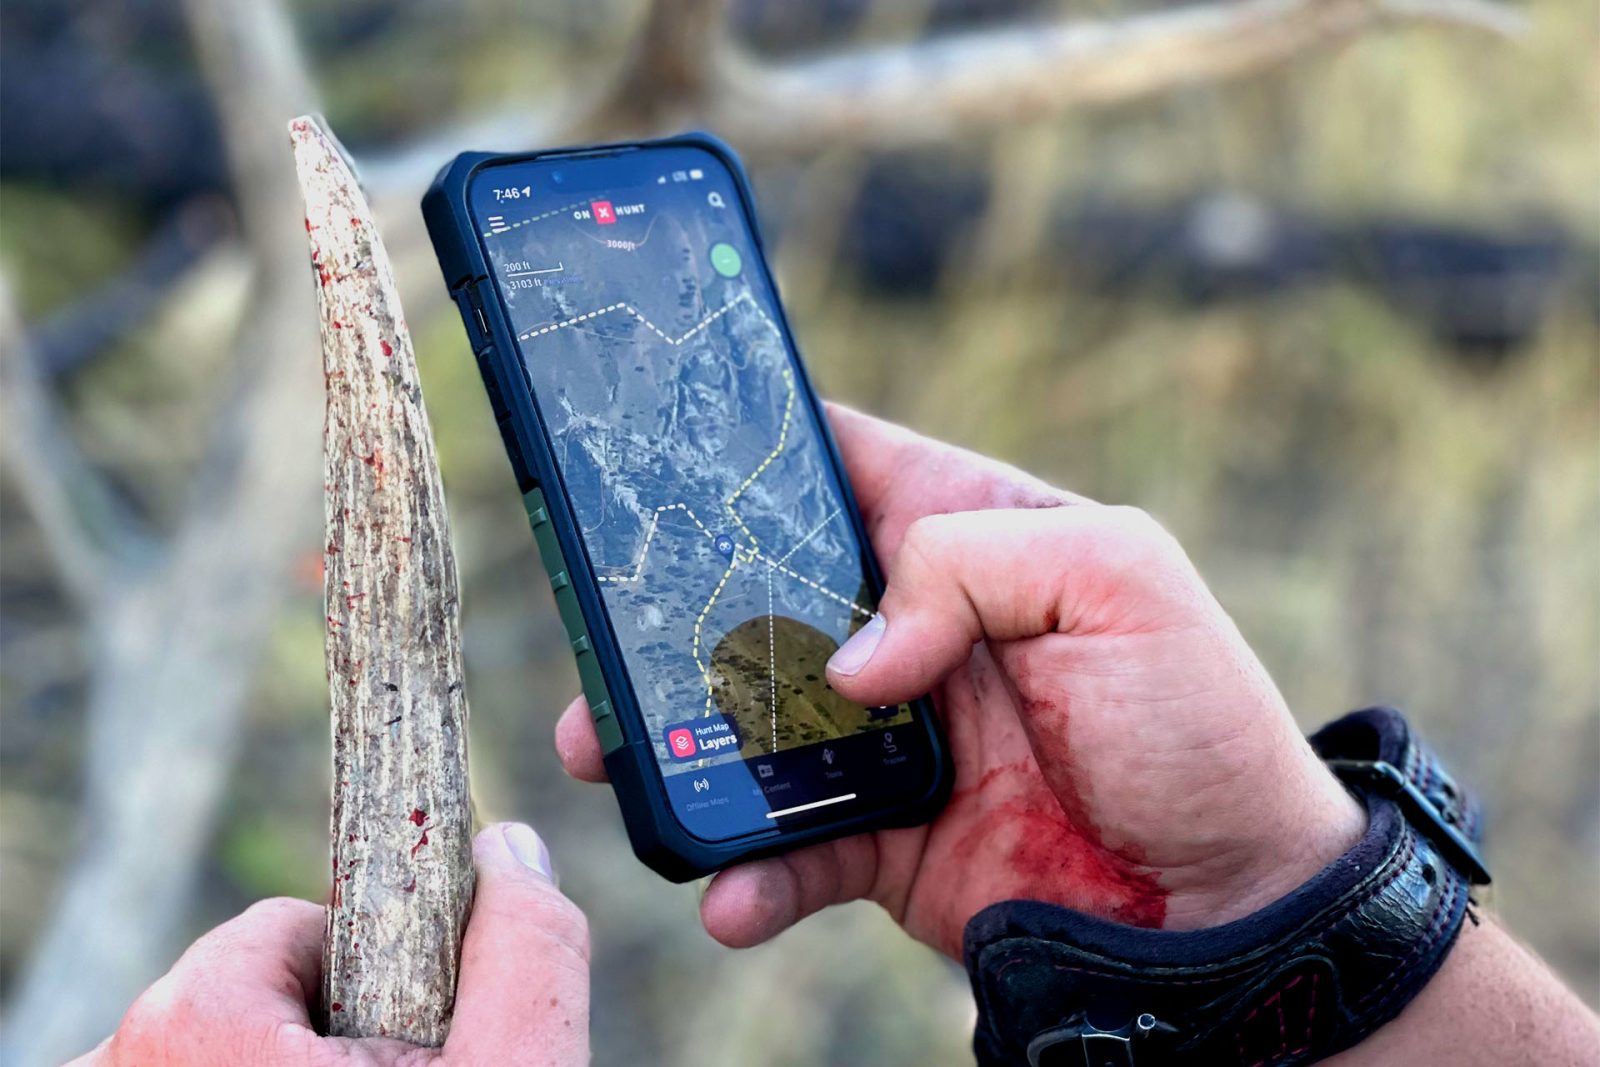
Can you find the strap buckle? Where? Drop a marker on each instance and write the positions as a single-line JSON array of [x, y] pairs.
[[1436, 824], [1094, 1047]]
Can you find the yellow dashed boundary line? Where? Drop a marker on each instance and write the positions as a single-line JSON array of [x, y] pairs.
[[655, 523], [752, 552], [783, 439], [705, 672], [638, 564]]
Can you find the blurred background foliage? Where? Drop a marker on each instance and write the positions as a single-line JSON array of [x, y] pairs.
[[1335, 323]]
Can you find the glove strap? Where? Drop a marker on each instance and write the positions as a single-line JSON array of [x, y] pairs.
[[1299, 980]]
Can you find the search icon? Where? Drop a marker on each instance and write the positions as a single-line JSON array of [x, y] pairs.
[[715, 200]]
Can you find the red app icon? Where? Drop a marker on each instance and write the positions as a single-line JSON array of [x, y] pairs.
[[681, 742], [605, 216]]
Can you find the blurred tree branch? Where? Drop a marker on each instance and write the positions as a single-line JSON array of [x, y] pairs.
[[937, 89], [686, 70], [672, 68], [77, 333], [174, 639], [86, 528]]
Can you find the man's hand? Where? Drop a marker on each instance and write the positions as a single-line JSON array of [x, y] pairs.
[[1118, 747], [239, 996]]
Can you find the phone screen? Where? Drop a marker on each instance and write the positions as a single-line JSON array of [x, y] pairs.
[[693, 459]]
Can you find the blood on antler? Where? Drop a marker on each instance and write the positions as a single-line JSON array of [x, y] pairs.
[[401, 828]]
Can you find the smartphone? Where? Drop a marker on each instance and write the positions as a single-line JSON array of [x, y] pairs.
[[685, 493]]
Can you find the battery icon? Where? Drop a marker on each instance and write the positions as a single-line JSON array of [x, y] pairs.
[[696, 174]]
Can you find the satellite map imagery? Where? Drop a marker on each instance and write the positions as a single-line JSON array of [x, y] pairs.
[[693, 462]]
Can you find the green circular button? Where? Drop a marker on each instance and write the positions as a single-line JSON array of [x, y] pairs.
[[725, 259]]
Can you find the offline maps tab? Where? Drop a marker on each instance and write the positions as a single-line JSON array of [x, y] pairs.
[[713, 735]]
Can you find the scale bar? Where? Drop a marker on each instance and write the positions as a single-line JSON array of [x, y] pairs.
[[807, 807], [558, 268]]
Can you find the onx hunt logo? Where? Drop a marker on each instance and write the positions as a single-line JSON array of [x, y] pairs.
[[605, 213], [713, 735]]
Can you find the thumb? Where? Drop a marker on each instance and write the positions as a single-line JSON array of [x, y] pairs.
[[1006, 575], [524, 988]]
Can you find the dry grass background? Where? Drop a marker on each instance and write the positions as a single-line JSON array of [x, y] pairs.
[[1386, 520]]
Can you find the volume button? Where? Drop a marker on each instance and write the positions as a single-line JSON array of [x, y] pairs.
[[470, 305], [482, 297]]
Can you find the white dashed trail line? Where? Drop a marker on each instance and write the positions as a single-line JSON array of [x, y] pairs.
[[750, 552]]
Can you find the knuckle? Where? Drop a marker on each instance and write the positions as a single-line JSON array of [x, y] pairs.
[[269, 917], [920, 534], [1136, 521], [560, 924], [925, 542], [420, 1057], [289, 1045], [565, 923], [279, 906], [1139, 531], [282, 908], [1137, 545], [152, 1024]]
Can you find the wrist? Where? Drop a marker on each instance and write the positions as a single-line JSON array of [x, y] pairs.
[[1309, 823], [1492, 1002], [1306, 975]]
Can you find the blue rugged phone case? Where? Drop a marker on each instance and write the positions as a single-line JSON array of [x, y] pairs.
[[657, 837]]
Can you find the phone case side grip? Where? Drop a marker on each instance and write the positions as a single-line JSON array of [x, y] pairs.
[[656, 836]]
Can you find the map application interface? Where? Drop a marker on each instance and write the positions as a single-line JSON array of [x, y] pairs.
[[694, 463]]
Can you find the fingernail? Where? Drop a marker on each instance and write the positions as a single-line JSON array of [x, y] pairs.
[[529, 849], [854, 653]]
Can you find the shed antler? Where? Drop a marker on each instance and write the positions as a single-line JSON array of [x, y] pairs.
[[401, 829]]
